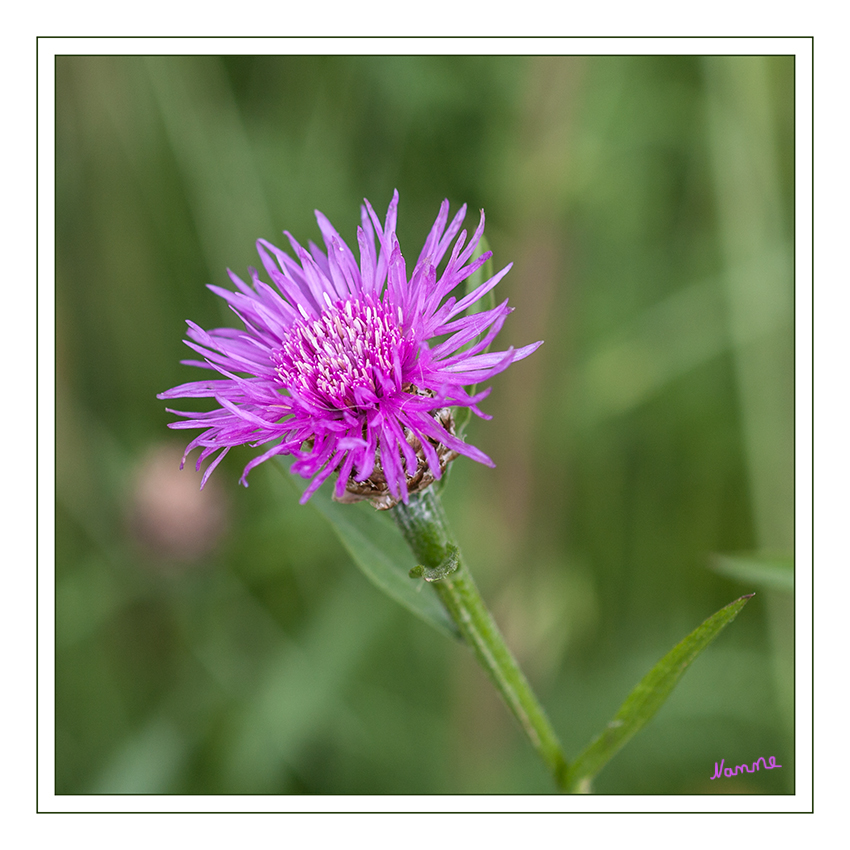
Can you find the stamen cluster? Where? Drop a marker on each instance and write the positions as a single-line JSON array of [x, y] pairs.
[[348, 358]]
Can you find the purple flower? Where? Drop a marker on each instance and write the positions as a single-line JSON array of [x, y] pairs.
[[351, 368]]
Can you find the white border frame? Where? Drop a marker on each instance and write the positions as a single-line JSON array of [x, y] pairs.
[[802, 48]]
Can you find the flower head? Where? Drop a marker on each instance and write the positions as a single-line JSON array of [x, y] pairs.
[[351, 368]]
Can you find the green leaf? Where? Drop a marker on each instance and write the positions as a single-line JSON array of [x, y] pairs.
[[649, 695], [775, 572], [377, 547]]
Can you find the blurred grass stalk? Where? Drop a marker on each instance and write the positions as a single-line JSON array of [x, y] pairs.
[[222, 179], [758, 285]]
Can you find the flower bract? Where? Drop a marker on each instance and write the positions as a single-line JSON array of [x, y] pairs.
[[353, 368]]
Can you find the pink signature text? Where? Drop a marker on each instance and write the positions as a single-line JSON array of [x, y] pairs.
[[742, 768]]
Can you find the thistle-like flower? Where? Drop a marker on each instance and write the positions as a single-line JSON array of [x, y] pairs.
[[351, 369]]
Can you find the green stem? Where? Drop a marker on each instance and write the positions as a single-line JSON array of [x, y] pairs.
[[423, 524]]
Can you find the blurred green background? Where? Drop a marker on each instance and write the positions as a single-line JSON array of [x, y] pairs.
[[223, 642]]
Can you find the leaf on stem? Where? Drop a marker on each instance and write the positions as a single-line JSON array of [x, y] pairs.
[[649, 695], [377, 547]]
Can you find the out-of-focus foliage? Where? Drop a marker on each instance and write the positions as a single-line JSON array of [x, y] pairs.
[[223, 642]]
